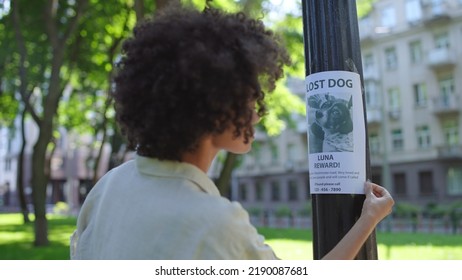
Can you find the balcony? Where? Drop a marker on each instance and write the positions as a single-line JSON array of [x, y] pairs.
[[371, 74], [394, 114], [436, 12], [445, 105], [374, 115], [368, 33], [450, 152], [441, 58]]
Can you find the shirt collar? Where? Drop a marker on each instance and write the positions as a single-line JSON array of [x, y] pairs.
[[165, 168]]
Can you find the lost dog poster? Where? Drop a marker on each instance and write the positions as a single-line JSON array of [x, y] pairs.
[[336, 133]]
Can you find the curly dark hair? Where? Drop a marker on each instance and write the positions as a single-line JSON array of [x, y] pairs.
[[185, 74]]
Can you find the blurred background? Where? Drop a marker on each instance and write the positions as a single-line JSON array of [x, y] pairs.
[[58, 135]]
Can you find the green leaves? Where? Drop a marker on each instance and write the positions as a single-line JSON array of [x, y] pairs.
[[282, 106], [8, 109], [364, 7]]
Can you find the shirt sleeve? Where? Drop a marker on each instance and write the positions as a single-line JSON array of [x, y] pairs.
[[232, 236]]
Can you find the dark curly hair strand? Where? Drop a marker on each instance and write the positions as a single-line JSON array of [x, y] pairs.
[[186, 74]]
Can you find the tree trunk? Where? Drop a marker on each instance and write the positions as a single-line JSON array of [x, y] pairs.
[[161, 4], [39, 158], [223, 182], [22, 89], [20, 174], [139, 10], [100, 153], [39, 187], [50, 106]]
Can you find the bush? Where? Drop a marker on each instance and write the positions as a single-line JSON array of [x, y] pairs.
[[283, 211], [306, 210], [61, 208], [406, 210], [455, 213], [254, 211], [434, 210]]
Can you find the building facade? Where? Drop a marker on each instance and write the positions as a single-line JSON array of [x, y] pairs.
[[71, 161], [412, 70], [413, 82]]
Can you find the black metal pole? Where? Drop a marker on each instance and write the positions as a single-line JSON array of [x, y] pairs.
[[332, 44]]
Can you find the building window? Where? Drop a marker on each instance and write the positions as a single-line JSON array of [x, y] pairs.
[[391, 58], [420, 94], [416, 53], [8, 164], [368, 61], [292, 153], [394, 99], [242, 192], [293, 190], [413, 11], [9, 145], [274, 154], [423, 137], [388, 17], [442, 40], [397, 139], [275, 191], [447, 89], [451, 132], [426, 182], [372, 99], [454, 179], [437, 6], [259, 191], [374, 143], [399, 181]]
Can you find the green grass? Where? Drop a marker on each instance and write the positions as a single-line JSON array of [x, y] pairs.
[[296, 244], [16, 242], [16, 239], [420, 246]]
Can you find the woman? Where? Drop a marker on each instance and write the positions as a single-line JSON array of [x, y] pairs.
[[189, 85]]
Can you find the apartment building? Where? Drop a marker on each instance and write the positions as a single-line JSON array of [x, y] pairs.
[[412, 66], [412, 59], [71, 166]]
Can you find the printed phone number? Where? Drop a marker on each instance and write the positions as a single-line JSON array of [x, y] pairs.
[[327, 189], [275, 270]]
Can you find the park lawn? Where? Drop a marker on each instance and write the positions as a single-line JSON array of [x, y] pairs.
[[16, 242], [296, 244], [16, 239]]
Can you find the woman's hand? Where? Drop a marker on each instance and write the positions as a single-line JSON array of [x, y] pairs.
[[378, 203]]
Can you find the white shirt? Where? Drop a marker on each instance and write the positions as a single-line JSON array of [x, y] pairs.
[[151, 209]]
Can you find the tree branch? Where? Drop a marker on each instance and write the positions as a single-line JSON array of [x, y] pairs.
[[139, 10], [52, 31], [22, 64], [81, 5]]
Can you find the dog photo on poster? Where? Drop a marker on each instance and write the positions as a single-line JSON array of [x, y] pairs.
[[336, 133]]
